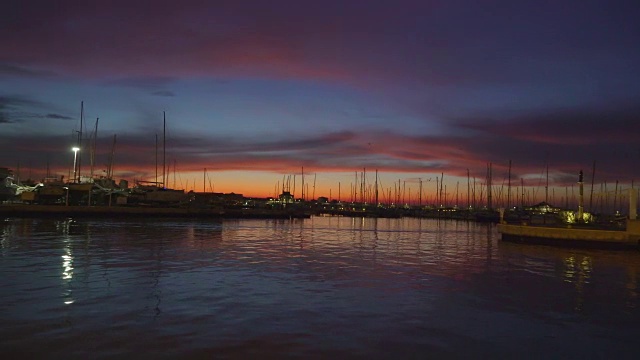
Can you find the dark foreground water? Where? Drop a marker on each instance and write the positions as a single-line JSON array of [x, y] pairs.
[[313, 288]]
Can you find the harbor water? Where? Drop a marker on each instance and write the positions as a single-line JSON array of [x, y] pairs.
[[324, 287]]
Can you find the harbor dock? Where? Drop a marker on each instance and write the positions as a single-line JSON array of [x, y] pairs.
[[572, 236], [22, 210]]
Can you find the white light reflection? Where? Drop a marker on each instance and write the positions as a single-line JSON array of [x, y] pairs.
[[67, 265], [578, 272], [67, 261], [67, 275], [7, 233]]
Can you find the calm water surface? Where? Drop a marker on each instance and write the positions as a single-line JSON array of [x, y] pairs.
[[313, 288]]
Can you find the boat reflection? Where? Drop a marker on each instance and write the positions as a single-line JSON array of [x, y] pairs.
[[584, 269]]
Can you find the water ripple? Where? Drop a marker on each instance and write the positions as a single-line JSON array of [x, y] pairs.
[[317, 287]]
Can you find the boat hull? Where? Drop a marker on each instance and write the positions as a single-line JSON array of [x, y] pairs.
[[569, 236]]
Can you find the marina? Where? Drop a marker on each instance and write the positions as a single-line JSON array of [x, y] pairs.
[[319, 180]]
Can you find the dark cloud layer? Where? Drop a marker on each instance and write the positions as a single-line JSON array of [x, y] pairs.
[[579, 126], [539, 83], [4, 119], [142, 82], [10, 106], [18, 109], [453, 42], [11, 102], [58, 117], [567, 139], [7, 69]]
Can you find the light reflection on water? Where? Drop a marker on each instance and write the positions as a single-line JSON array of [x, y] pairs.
[[318, 287]]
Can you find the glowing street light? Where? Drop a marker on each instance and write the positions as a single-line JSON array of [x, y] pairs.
[[75, 157]]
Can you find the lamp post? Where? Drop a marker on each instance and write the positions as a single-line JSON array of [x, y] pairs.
[[75, 157]]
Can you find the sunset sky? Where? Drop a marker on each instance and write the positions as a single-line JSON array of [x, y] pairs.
[[256, 90]]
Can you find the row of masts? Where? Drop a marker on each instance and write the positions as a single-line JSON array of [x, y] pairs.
[[479, 194], [92, 140], [78, 150]]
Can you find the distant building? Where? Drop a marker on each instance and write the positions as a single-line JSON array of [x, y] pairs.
[[286, 198]]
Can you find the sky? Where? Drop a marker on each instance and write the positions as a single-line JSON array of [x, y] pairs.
[[254, 91]]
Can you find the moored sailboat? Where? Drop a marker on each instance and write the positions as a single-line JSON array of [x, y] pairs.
[[578, 232]]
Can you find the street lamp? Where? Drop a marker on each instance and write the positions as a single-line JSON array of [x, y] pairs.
[[75, 157]]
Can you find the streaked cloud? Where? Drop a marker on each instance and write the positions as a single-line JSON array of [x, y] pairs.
[[58, 117], [404, 87], [19, 109], [163, 93], [7, 69]]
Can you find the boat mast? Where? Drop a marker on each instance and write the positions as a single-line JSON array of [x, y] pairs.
[[441, 185], [93, 148], [78, 161], [164, 148], [489, 198], [376, 187], [615, 197], [546, 187], [468, 190], [79, 145], [593, 176], [420, 194], [446, 202], [355, 188], [437, 192], [363, 188], [509, 187], [580, 198], [284, 183], [474, 193], [157, 160], [315, 175], [113, 150], [633, 201]]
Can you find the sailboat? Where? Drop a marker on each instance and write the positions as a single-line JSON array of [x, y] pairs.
[[150, 192]]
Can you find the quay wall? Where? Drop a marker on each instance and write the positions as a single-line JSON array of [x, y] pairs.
[[570, 234]]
